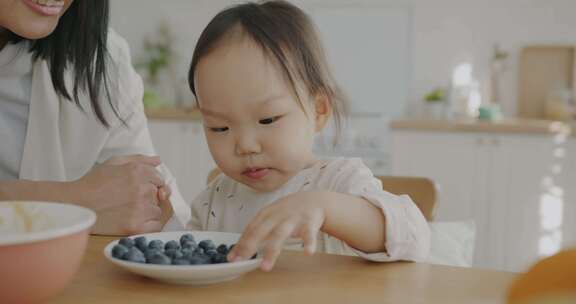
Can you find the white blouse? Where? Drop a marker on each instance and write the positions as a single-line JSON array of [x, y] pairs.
[[15, 88], [63, 142]]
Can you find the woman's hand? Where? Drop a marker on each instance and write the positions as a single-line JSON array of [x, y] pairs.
[[164, 191], [299, 215], [127, 193]]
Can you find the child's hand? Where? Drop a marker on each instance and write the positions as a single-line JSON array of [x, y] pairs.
[[297, 215]]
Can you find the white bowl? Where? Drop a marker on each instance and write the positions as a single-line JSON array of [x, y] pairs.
[[188, 274]]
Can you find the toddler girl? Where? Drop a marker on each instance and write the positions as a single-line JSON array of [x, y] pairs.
[[264, 90]]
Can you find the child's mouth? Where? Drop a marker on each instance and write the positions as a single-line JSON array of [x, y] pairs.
[[255, 173]]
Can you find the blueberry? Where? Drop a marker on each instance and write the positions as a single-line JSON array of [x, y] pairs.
[[186, 238], [178, 255], [159, 259], [189, 244], [172, 245], [135, 255], [207, 244], [181, 261], [128, 242], [222, 249], [150, 252], [118, 251], [219, 258], [211, 252], [141, 243], [173, 253], [184, 251], [156, 244], [187, 253]]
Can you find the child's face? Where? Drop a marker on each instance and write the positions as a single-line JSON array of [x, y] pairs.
[[257, 131]]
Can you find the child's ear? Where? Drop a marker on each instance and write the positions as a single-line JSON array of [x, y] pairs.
[[323, 110]]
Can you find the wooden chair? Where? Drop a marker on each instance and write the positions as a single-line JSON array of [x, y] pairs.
[[421, 190]]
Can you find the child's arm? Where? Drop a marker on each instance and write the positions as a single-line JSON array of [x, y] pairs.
[[353, 220], [303, 214], [354, 209]]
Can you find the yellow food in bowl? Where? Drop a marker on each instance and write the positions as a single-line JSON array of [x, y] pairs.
[[20, 217]]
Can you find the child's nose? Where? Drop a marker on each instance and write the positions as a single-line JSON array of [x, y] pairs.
[[247, 143]]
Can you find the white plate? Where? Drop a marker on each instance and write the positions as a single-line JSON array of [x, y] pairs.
[[188, 274]]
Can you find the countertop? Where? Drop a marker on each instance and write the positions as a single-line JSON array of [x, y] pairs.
[[171, 113], [510, 125]]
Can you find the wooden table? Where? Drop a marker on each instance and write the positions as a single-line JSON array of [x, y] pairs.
[[295, 279]]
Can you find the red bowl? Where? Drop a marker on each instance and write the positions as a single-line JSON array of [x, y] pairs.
[[38, 265]]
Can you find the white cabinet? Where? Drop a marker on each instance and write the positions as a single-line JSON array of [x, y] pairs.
[[569, 237], [450, 160], [182, 147], [524, 198], [511, 185]]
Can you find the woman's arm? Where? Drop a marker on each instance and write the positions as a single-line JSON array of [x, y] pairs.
[[20, 190], [131, 136], [127, 193]]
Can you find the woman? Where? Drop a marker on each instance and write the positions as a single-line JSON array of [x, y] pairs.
[[72, 125]]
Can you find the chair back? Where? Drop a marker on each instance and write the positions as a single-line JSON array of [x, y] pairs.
[[421, 190]]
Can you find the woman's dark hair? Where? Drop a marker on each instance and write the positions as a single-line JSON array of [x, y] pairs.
[[78, 41], [287, 35]]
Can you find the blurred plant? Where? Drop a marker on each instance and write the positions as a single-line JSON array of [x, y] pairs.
[[497, 68], [436, 95], [158, 58], [151, 99], [158, 53]]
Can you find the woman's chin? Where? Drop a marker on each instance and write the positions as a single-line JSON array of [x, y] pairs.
[[35, 30]]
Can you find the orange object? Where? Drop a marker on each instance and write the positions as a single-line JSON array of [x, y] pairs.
[[551, 280], [37, 265]]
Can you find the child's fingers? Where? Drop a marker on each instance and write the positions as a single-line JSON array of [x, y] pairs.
[[168, 190], [310, 236], [250, 240], [164, 193], [274, 244], [167, 210]]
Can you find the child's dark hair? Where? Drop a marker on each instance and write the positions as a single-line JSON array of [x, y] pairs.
[[287, 35]]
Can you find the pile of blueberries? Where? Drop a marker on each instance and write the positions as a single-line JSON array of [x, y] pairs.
[[185, 252]]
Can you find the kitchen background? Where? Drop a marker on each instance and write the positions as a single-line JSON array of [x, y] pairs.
[[419, 74]]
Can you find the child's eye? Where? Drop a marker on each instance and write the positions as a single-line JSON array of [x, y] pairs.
[[267, 121], [219, 130]]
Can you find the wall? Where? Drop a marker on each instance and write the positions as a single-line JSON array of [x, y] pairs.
[[445, 33]]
